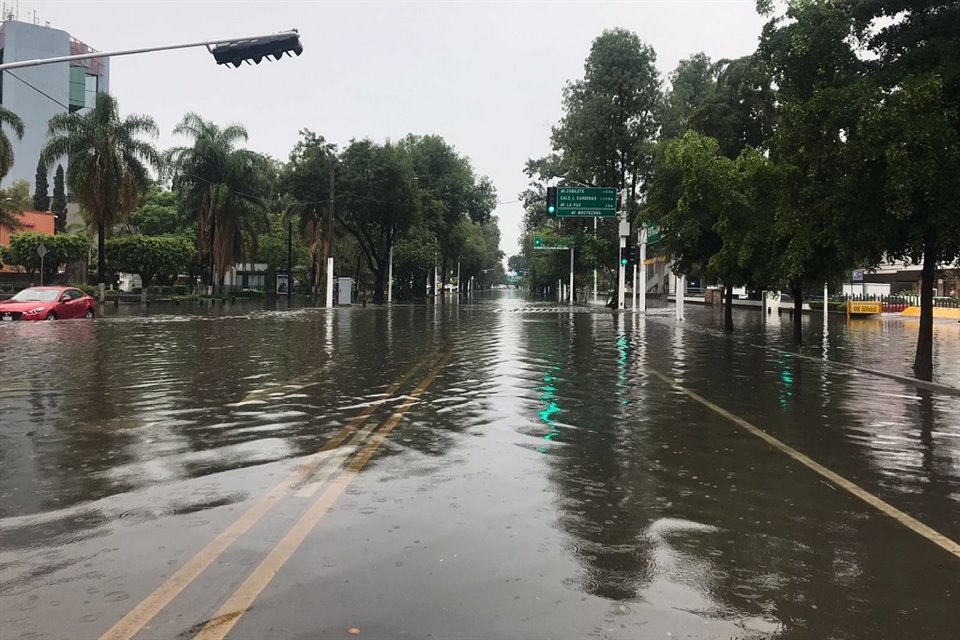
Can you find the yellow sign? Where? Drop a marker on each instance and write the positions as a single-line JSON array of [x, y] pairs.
[[863, 308]]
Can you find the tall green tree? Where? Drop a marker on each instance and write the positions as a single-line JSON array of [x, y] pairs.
[[109, 163], [915, 132], [305, 183], [450, 194], [605, 137], [377, 200], [610, 115], [8, 119], [59, 202], [824, 203], [41, 189], [691, 83], [740, 112]]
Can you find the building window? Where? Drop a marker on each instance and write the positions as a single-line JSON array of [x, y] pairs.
[[83, 88], [91, 88]]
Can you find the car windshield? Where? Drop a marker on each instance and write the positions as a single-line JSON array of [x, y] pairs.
[[36, 295]]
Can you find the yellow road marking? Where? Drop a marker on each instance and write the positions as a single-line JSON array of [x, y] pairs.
[[328, 470], [139, 616], [908, 521], [241, 600]]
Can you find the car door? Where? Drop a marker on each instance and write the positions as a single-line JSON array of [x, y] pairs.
[[71, 303]]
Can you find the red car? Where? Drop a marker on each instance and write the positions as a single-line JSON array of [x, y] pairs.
[[48, 303]]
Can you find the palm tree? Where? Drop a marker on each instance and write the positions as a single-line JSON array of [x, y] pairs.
[[108, 171], [13, 121], [199, 173], [222, 188], [239, 211]]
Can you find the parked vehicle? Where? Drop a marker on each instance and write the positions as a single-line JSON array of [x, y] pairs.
[[48, 303]]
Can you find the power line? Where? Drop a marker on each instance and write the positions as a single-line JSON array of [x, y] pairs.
[[41, 92]]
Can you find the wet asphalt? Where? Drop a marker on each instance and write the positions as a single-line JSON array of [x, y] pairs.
[[489, 468]]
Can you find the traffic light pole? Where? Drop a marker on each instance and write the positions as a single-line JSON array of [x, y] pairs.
[[127, 52], [643, 269], [594, 269], [622, 275], [571, 274]]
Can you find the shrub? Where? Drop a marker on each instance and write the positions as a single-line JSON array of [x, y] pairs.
[[180, 289], [87, 289], [249, 293]]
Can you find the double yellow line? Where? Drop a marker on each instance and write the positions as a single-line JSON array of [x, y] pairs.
[[237, 604]]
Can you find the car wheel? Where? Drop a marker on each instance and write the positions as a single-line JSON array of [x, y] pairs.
[[52, 316], [89, 314]]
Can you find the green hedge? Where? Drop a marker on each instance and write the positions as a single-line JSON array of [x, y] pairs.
[[87, 289], [180, 289], [248, 293], [840, 307]]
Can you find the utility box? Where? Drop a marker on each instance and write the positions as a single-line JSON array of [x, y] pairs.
[[344, 291]]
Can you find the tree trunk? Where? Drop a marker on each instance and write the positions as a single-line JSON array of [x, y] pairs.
[[420, 285], [101, 259], [379, 286], [796, 290], [923, 362], [144, 285], [728, 308]]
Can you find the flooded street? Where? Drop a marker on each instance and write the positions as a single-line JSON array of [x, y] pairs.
[[493, 468]]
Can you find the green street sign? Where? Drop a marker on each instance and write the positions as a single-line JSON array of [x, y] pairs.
[[549, 244], [586, 202], [653, 234]]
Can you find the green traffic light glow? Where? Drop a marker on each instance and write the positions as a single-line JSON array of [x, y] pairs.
[[623, 261], [546, 415], [551, 209]]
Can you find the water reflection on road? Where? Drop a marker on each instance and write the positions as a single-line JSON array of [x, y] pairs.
[[547, 484]]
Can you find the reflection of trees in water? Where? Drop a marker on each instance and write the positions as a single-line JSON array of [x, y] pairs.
[[668, 491]]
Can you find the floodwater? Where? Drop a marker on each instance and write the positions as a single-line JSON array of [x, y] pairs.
[[492, 468]]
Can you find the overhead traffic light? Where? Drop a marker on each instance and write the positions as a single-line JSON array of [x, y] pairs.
[[551, 201], [256, 49]]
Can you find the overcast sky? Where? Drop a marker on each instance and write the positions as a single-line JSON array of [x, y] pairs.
[[487, 76]]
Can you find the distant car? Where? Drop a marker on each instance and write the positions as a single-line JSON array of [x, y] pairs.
[[48, 303]]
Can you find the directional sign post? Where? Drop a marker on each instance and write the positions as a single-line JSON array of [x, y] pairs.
[[41, 251], [584, 202]]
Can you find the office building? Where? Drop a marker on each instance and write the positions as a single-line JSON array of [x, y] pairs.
[[36, 94]]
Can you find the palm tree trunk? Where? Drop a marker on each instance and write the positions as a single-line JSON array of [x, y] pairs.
[[101, 259]]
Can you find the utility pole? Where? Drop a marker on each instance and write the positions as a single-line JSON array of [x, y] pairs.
[[329, 252], [571, 272], [594, 269], [289, 262], [643, 269]]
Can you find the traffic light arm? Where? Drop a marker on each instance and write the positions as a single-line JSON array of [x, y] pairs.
[[127, 52]]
